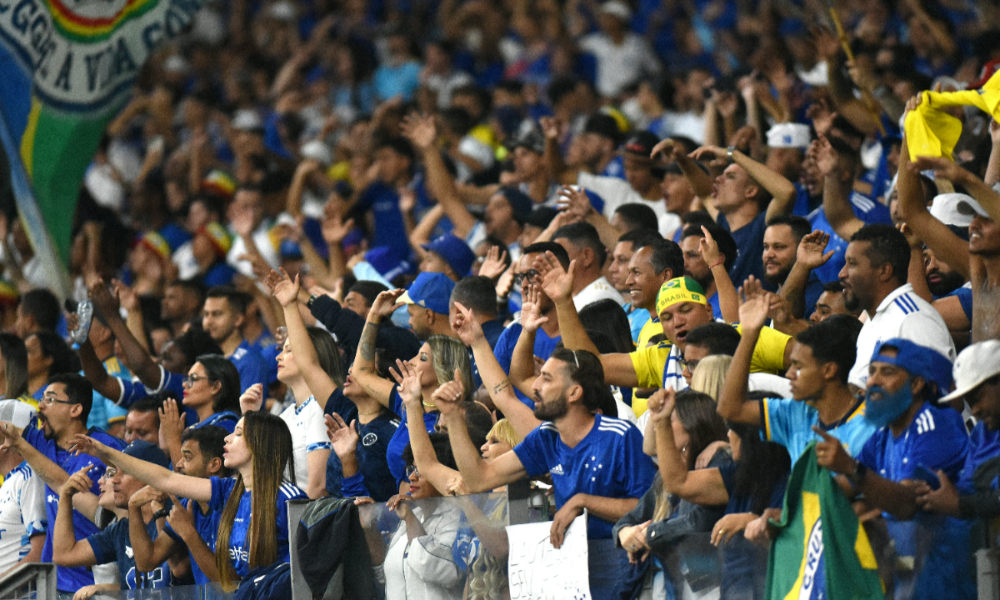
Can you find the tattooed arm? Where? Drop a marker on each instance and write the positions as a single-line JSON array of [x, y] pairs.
[[363, 370]]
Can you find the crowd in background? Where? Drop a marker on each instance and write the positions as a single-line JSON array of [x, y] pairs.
[[647, 252]]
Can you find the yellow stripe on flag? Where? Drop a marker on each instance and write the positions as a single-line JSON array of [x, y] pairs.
[[28, 139]]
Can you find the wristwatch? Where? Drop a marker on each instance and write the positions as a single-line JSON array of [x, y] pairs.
[[857, 476], [309, 302], [729, 152]]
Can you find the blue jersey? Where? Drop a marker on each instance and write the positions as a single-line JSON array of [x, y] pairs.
[[373, 479], [866, 209], [637, 318], [984, 445], [789, 422], [389, 229], [114, 545], [250, 364], [226, 419], [207, 526], [239, 546], [750, 247], [171, 384], [936, 439], [401, 438], [70, 578], [607, 462], [504, 351]]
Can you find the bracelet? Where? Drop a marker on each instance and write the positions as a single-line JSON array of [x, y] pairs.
[[716, 264]]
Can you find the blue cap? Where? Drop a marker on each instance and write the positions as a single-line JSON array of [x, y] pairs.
[[143, 450], [454, 251], [431, 291], [917, 360], [386, 261]]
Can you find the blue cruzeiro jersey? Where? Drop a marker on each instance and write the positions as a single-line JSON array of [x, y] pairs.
[[114, 545], [239, 546], [607, 462], [207, 526]]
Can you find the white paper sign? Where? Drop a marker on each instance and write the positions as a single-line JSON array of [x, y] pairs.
[[537, 571]]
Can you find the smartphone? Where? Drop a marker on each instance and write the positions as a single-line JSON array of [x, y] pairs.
[[924, 474]]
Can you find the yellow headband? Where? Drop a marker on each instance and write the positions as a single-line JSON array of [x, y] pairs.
[[677, 290]]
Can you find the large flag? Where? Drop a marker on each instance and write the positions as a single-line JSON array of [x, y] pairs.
[[930, 131], [66, 68], [821, 550]]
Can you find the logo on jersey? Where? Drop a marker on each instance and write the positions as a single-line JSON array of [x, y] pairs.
[[369, 439], [557, 470]]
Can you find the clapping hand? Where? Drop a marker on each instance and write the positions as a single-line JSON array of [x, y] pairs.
[[557, 283]]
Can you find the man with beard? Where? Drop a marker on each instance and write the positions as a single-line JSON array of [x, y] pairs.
[[62, 413], [596, 462], [874, 279], [914, 439], [942, 280], [781, 245], [695, 266]]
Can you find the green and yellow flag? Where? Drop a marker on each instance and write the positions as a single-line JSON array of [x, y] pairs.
[[821, 550]]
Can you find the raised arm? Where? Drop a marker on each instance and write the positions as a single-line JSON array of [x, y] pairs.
[[162, 479], [733, 403], [522, 364], [181, 520], [808, 256], [136, 357], [521, 418], [67, 551], [479, 475], [420, 442], [837, 185], [93, 370], [729, 303], [364, 361], [782, 190], [703, 486], [149, 554]]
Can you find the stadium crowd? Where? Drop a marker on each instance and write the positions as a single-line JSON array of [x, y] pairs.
[[647, 253]]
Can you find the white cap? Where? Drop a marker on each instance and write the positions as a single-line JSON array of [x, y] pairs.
[[974, 365], [282, 11], [247, 120], [618, 9], [317, 151], [16, 412], [788, 135], [956, 209]]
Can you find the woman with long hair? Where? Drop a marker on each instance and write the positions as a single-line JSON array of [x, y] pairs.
[[253, 526], [436, 363], [754, 482], [710, 373], [14, 373], [661, 519], [212, 391]]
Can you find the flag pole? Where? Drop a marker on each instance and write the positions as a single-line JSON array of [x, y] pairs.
[[865, 94]]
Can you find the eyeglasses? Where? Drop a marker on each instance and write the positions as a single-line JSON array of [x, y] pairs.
[[530, 275], [690, 365], [192, 379], [110, 473], [411, 470], [51, 399]]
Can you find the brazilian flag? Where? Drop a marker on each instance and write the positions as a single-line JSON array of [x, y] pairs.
[[821, 550]]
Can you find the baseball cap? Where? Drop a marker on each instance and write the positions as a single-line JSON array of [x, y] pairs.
[[143, 450], [788, 135], [530, 139], [916, 360], [16, 412], [317, 151], [218, 236], [974, 365], [385, 260], [956, 209], [677, 290], [431, 291], [641, 143], [454, 251], [247, 120], [603, 125], [617, 9], [219, 184]]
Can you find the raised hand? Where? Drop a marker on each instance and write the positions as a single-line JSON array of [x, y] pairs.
[[831, 455], [82, 444], [343, 437], [942, 167], [551, 127], [77, 482], [335, 228], [666, 149], [285, 289], [531, 311], [104, 301], [755, 306], [252, 398], [709, 248], [181, 519], [10, 435], [709, 153], [409, 384], [574, 201], [450, 391], [810, 251], [466, 326], [661, 404], [420, 130], [146, 495], [495, 263], [171, 422], [505, 282], [827, 159], [127, 297], [385, 303], [557, 283]]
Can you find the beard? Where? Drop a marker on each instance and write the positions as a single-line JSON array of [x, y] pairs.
[[551, 410], [949, 283], [851, 301], [778, 278]]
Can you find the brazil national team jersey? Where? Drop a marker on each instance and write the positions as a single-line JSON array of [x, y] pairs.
[[239, 546], [789, 422], [607, 462]]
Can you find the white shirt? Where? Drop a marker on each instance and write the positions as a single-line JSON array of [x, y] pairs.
[[308, 435], [22, 514], [615, 192], [598, 289], [262, 239], [905, 315], [424, 568], [620, 65]]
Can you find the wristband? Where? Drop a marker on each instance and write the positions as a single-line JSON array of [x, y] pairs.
[[309, 302], [857, 476], [717, 264]]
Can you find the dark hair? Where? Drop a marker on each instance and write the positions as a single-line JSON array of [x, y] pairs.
[[585, 369], [238, 301], [698, 416], [442, 449], [639, 237], [151, 404], [560, 87], [196, 342], [399, 145], [834, 339], [78, 390], [221, 370], [834, 287], [15, 365], [727, 245], [554, 248], [717, 338], [457, 119], [368, 289], [800, 226], [211, 441], [608, 317], [53, 346], [192, 286], [762, 467], [666, 255], [583, 235], [43, 306], [477, 293], [697, 217], [327, 354], [886, 244], [637, 216], [479, 422]]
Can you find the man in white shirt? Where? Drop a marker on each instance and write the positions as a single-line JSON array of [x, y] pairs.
[[622, 56], [246, 215], [584, 246], [22, 498], [874, 279]]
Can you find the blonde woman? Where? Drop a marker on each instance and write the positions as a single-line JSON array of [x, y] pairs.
[[708, 376]]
